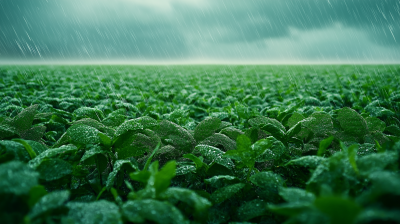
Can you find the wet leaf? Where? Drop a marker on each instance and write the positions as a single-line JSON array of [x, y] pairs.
[[53, 169], [221, 181], [98, 212], [118, 166], [310, 162], [225, 193], [49, 202], [352, 122], [206, 128], [83, 134], [252, 209], [17, 178], [152, 210], [215, 155]]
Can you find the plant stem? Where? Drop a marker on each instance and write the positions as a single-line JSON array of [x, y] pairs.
[[248, 174]]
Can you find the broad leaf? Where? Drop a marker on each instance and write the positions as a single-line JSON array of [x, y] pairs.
[[98, 212]]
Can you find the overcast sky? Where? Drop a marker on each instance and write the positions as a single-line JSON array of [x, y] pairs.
[[265, 31]]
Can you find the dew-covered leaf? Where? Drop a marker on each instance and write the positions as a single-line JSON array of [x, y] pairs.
[[104, 139], [50, 153], [97, 212], [130, 125], [7, 131], [214, 155], [53, 169], [221, 181], [190, 198], [83, 134], [49, 202], [177, 136], [91, 153], [267, 180], [17, 178], [248, 153], [252, 209], [152, 210], [114, 119], [24, 119], [231, 132], [136, 144], [36, 146], [274, 149], [322, 124], [310, 162], [274, 131], [259, 122], [296, 195], [294, 119], [375, 124], [393, 129], [199, 163], [218, 139], [352, 122], [87, 112], [95, 124], [376, 111], [225, 193], [117, 167], [206, 128], [34, 133], [293, 131], [183, 169]]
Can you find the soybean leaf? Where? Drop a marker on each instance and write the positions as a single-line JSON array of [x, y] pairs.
[[310, 162], [221, 181], [99, 212], [49, 202], [352, 122], [28, 148], [267, 180], [120, 165], [296, 195], [152, 210], [199, 204], [324, 144], [274, 130], [225, 193], [375, 124], [206, 128], [251, 209], [83, 134], [53, 169], [17, 178], [214, 155]]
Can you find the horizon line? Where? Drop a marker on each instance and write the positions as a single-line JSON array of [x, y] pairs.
[[193, 62]]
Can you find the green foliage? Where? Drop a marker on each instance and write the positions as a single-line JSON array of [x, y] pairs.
[[152, 210], [101, 212], [84, 149]]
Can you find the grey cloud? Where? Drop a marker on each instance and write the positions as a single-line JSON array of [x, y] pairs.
[[180, 30]]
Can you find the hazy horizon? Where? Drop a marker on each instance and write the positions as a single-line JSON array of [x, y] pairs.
[[200, 32]]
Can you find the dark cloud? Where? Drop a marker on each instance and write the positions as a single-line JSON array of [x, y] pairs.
[[178, 29]]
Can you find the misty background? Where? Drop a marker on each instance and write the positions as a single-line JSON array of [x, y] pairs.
[[260, 31]]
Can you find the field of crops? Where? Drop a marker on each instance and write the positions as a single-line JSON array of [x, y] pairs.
[[200, 144]]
